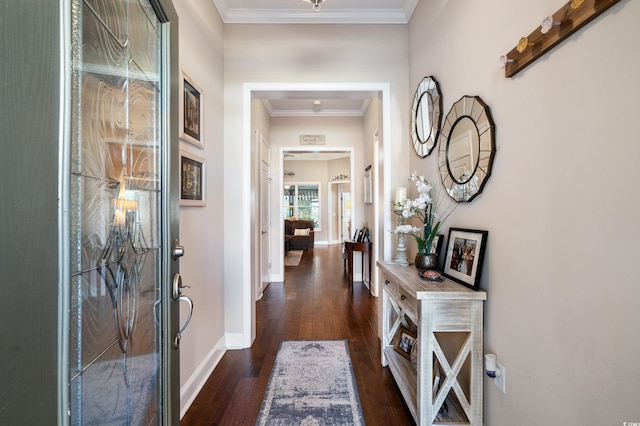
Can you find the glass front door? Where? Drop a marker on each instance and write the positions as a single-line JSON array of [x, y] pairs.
[[116, 352]]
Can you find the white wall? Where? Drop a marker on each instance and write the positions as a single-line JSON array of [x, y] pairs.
[[560, 207], [293, 54], [201, 228]]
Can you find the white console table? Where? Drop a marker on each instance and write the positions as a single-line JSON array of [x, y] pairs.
[[436, 308]]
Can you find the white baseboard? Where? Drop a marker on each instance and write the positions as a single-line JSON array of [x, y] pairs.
[[236, 341], [194, 384]]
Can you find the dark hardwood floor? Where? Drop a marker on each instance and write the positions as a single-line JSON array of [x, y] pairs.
[[313, 303]]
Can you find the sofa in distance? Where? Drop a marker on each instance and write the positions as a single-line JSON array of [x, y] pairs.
[[299, 234]]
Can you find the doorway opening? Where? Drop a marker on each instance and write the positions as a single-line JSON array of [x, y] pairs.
[[261, 91], [305, 195]]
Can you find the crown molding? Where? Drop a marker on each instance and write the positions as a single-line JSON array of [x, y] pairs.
[[315, 113], [308, 16]]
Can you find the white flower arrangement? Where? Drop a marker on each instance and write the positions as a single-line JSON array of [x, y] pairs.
[[424, 208]]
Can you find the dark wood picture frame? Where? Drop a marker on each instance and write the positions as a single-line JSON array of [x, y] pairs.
[[465, 256], [191, 107], [192, 179], [362, 235], [404, 341]]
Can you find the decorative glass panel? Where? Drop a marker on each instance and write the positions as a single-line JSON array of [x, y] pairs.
[[115, 357]]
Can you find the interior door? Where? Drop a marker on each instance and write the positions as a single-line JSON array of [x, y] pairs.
[[123, 357], [345, 215], [265, 215]]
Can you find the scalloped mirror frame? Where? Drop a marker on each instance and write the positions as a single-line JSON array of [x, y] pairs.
[[467, 148], [425, 122]]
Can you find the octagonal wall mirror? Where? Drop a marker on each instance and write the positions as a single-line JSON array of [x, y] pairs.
[[426, 116], [467, 148]]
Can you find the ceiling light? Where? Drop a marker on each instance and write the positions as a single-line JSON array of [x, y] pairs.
[[316, 4]]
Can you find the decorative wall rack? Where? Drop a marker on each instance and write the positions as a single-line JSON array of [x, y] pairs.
[[554, 28]]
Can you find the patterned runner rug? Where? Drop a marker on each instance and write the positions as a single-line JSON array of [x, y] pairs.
[[312, 383], [293, 258]]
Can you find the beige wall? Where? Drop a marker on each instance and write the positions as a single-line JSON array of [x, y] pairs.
[[338, 167], [201, 228], [561, 210]]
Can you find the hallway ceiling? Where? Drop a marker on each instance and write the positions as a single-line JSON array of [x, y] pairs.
[[300, 11], [315, 103], [314, 155], [325, 103]]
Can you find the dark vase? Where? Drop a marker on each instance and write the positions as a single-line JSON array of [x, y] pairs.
[[425, 262]]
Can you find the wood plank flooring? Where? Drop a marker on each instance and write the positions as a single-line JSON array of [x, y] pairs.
[[313, 303]]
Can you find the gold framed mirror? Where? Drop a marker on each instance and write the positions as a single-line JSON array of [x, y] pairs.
[[426, 116], [467, 148]]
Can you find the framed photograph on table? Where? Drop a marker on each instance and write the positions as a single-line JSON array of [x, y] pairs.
[[436, 246], [404, 341], [191, 107], [192, 179], [465, 255]]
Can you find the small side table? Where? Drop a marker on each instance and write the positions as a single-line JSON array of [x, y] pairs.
[[365, 247], [287, 244]]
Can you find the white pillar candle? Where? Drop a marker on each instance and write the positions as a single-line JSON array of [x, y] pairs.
[[400, 195]]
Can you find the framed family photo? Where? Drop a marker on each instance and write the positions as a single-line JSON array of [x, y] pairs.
[[191, 104], [405, 339], [436, 247], [192, 179], [465, 255]]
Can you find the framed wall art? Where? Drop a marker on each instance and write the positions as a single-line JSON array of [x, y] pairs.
[[192, 179], [465, 255], [191, 107]]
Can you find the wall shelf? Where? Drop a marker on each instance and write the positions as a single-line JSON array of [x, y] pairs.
[[572, 16]]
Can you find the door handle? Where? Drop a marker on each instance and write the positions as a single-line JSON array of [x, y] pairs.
[[177, 287], [190, 303], [179, 297]]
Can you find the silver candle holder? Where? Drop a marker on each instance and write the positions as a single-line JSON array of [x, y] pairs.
[[401, 249]]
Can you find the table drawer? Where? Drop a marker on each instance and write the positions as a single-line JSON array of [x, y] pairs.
[[407, 302], [391, 288]]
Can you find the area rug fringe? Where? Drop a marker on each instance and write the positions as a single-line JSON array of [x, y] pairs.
[[312, 383]]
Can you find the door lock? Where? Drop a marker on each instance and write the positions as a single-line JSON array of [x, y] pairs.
[[177, 250]]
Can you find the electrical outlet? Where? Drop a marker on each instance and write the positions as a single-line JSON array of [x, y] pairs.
[[501, 379]]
